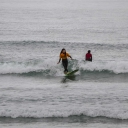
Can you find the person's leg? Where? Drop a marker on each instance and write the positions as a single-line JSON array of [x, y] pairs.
[[90, 60], [65, 64]]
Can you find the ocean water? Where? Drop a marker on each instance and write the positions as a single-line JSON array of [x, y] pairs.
[[34, 92]]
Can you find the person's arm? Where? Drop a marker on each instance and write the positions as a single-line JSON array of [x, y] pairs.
[[91, 57], [59, 61], [70, 56]]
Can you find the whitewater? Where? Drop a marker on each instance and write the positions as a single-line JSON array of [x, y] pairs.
[[34, 91]]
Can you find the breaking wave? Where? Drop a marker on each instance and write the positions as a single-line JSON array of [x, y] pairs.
[[50, 68]]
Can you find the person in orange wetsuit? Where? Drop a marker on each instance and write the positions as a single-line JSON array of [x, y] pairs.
[[64, 55], [88, 56]]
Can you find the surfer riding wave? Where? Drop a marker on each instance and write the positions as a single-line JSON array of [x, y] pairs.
[[64, 55]]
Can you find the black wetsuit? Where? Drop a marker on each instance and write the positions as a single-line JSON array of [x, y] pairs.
[[65, 64]]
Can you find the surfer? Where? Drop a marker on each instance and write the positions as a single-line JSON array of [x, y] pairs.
[[88, 56], [63, 56]]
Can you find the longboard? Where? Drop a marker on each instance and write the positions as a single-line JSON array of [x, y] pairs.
[[71, 73]]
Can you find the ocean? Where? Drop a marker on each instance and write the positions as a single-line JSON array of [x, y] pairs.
[[34, 92]]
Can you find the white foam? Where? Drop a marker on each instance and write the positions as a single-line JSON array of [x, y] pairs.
[[50, 67], [90, 99], [112, 66]]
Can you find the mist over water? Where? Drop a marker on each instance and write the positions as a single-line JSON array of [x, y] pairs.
[[34, 92]]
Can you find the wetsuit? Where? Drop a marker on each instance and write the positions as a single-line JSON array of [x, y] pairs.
[[89, 57], [64, 61]]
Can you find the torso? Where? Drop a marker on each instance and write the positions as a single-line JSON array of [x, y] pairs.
[[63, 56]]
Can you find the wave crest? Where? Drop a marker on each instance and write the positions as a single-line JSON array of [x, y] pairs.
[[50, 68]]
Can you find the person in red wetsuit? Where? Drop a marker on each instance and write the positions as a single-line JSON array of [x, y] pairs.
[[88, 56]]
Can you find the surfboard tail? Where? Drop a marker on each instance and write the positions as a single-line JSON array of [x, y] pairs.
[[72, 72]]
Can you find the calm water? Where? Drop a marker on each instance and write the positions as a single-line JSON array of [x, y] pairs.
[[34, 92]]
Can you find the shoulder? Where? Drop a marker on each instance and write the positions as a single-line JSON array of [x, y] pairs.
[[60, 54], [67, 54]]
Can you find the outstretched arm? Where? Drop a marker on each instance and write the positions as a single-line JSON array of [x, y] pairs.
[[70, 57], [59, 61]]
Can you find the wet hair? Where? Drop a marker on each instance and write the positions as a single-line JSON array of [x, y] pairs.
[[89, 51], [62, 51]]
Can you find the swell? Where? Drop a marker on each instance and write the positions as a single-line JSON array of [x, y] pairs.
[[70, 119], [80, 73], [30, 42]]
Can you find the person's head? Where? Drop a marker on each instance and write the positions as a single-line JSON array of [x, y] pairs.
[[63, 51], [89, 51]]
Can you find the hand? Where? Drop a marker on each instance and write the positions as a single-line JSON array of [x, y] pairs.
[[58, 62]]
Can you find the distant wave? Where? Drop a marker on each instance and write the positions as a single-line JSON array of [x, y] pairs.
[[76, 118], [27, 42]]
